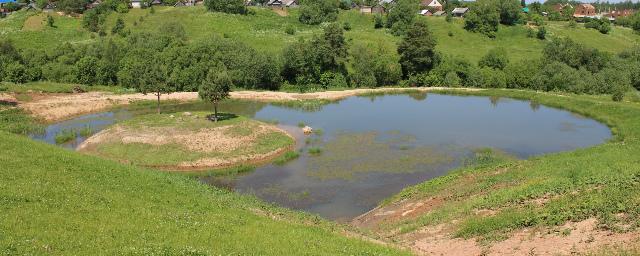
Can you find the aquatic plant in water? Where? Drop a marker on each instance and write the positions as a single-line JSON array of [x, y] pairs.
[[350, 154]]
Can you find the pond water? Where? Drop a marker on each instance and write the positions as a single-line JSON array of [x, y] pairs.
[[366, 149]]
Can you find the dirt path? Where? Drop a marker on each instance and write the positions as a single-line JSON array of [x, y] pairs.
[[63, 106]]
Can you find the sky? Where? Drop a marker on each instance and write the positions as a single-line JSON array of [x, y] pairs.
[[588, 1]]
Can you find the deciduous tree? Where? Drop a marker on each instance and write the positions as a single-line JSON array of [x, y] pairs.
[[417, 50], [215, 88]]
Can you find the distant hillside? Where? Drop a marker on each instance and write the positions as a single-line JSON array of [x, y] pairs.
[[265, 31]]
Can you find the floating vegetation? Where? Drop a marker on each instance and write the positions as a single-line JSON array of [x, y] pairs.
[[65, 136], [350, 154], [304, 105], [230, 171], [486, 156], [314, 151], [86, 131], [286, 157], [318, 132], [301, 124], [297, 197]]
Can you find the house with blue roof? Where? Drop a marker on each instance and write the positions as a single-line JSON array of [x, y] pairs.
[[3, 7]]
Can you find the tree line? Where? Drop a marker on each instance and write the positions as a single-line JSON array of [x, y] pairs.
[[164, 62]]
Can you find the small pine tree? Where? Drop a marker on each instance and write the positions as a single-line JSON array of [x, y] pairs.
[[542, 33], [378, 21], [50, 21], [118, 27]]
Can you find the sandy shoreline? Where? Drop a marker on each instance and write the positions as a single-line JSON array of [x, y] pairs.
[[63, 106]]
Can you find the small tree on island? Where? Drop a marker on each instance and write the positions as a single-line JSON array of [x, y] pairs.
[[153, 80], [215, 88]]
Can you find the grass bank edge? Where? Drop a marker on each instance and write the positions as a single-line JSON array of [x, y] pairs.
[[21, 175], [619, 116]]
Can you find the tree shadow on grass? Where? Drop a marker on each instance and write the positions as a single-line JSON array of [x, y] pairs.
[[223, 116]]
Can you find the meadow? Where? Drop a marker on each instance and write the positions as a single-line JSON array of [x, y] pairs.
[[265, 31]]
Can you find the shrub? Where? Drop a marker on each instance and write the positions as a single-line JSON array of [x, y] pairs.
[[542, 33], [602, 25], [378, 22], [537, 20], [118, 28], [316, 12], [635, 22], [495, 58], [226, 6], [332, 80], [452, 79], [290, 30], [483, 18], [520, 74], [15, 72], [346, 26], [572, 24]]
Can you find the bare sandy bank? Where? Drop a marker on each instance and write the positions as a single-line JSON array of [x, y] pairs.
[[62, 106]]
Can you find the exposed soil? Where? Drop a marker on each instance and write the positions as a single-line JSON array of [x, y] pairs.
[[54, 107], [219, 140], [281, 12], [571, 238]]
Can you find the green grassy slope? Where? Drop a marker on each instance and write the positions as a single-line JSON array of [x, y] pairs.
[[602, 181], [265, 31], [54, 201]]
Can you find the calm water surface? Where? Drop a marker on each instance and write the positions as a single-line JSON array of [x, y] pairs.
[[372, 147]]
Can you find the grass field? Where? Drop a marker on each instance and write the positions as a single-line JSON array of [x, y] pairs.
[[51, 87], [602, 181], [265, 31], [55, 201]]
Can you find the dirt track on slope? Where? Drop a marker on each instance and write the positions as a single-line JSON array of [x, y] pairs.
[[569, 239], [63, 106]]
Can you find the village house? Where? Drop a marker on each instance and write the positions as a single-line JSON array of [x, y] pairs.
[[282, 3], [378, 9], [425, 13], [585, 11], [371, 9], [93, 4], [459, 12], [439, 13], [619, 13], [137, 4], [560, 7], [432, 5], [3, 6], [50, 7]]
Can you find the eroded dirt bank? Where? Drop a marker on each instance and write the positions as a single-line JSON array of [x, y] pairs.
[[56, 107], [572, 238]]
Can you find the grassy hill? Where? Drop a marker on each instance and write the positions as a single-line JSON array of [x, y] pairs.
[[55, 201], [265, 31]]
